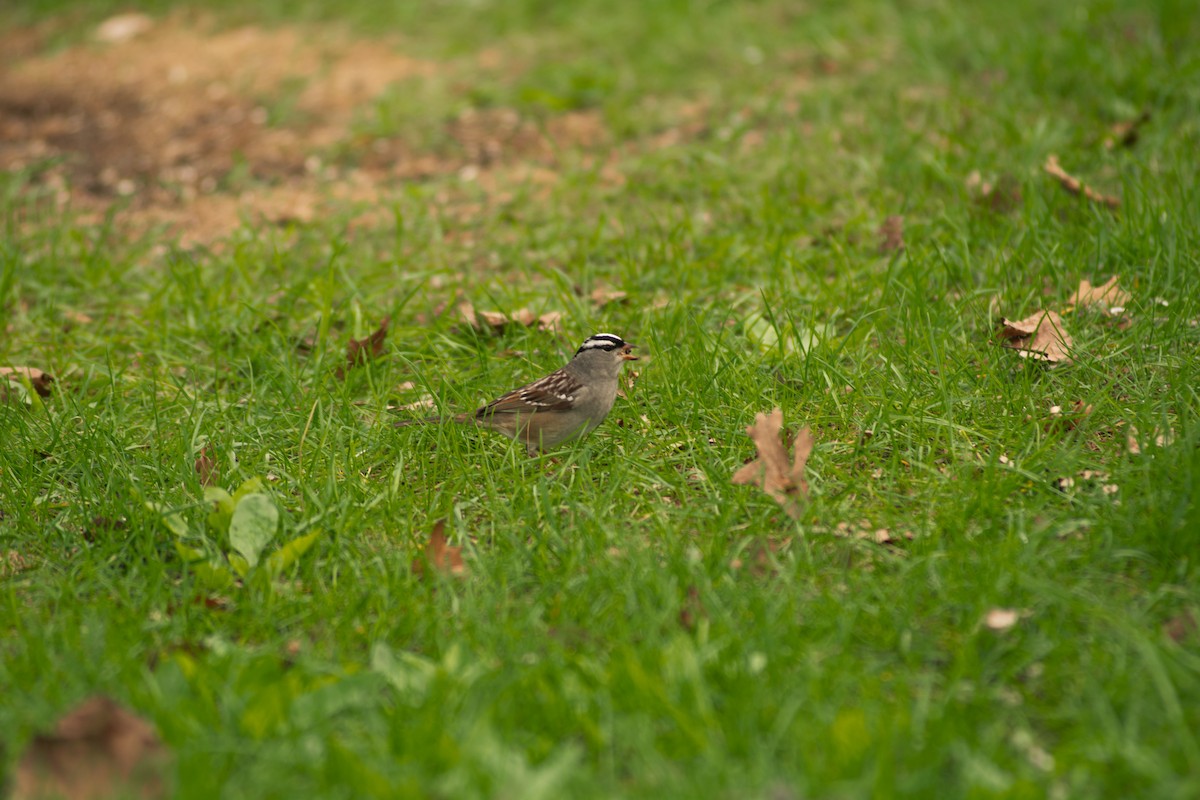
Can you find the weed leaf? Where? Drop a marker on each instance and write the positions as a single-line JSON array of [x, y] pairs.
[[222, 505], [283, 558], [253, 526]]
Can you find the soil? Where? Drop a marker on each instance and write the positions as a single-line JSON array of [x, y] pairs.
[[167, 123]]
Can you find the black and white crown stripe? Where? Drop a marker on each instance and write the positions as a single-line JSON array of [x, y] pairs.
[[602, 341]]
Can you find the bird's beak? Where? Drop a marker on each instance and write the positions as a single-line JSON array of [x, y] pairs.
[[627, 354]]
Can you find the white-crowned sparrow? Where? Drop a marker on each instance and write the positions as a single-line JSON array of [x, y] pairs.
[[566, 404]]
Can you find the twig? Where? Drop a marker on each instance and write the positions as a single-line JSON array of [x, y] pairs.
[[1076, 186]]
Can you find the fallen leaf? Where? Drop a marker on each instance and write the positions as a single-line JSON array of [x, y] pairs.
[[771, 471], [360, 351], [1180, 627], [1001, 619], [497, 321], [1111, 298], [12, 562], [1067, 419], [1040, 336], [39, 380], [1076, 186], [891, 232], [1000, 197], [206, 467], [864, 530], [602, 296], [123, 27], [1136, 442], [692, 609], [98, 750], [550, 322], [1125, 134], [439, 555], [423, 404]]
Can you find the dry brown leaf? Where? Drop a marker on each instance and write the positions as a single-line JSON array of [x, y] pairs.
[[123, 27], [1067, 419], [1000, 197], [891, 233], [422, 404], [494, 319], [1001, 619], [1136, 442], [439, 556], [1076, 186], [867, 532], [692, 610], [206, 466], [603, 295], [98, 750], [360, 351], [1181, 627], [771, 471], [1125, 134], [39, 380], [1040, 336], [1111, 298], [497, 321], [12, 562], [550, 322]]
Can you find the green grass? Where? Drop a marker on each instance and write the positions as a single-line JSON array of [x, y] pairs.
[[559, 666]]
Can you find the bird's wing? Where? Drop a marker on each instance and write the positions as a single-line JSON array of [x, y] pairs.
[[558, 391]]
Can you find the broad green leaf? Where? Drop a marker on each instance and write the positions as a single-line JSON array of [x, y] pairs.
[[188, 554], [249, 486], [221, 506], [172, 520], [764, 332], [290, 553], [240, 565], [408, 673], [253, 526], [210, 575]]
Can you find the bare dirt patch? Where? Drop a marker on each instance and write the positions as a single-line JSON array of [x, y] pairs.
[[176, 123]]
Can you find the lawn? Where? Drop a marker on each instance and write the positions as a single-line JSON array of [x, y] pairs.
[[246, 238]]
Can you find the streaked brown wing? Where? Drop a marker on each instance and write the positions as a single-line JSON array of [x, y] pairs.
[[555, 392]]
